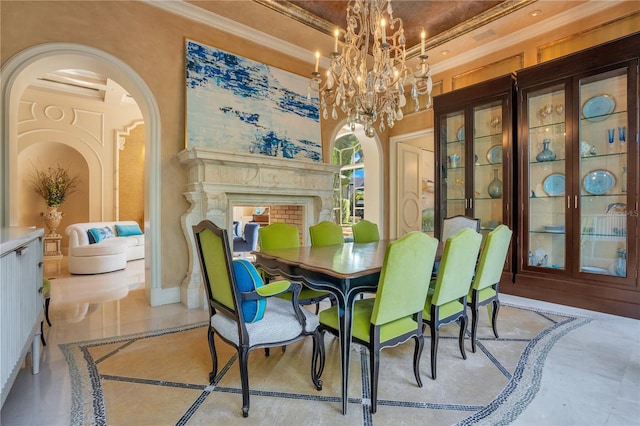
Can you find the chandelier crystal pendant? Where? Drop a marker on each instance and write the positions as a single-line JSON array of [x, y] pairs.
[[366, 80]]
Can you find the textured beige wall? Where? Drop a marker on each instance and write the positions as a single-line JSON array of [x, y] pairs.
[[151, 41], [131, 177]]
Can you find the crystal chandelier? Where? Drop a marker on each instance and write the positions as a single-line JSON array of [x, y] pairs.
[[366, 80]]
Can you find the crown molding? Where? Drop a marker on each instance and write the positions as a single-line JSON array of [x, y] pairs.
[[194, 13]]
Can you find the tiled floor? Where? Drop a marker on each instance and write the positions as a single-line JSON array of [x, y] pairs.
[[591, 375]]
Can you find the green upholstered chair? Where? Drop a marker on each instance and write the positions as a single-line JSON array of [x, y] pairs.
[[452, 225], [484, 288], [395, 314], [46, 296], [326, 234], [365, 232], [447, 299], [280, 235], [243, 312]]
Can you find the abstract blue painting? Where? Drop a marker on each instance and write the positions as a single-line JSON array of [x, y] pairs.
[[235, 104]]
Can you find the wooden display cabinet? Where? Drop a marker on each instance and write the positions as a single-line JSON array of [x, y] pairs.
[[474, 130], [578, 180]]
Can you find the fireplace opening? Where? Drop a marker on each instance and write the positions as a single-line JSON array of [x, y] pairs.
[[266, 214]]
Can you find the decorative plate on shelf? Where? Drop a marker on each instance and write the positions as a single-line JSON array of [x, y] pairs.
[[460, 134], [494, 155], [616, 208], [598, 182], [598, 107], [554, 184], [594, 270], [554, 229]]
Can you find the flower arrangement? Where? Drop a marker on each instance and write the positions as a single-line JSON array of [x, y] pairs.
[[54, 185]]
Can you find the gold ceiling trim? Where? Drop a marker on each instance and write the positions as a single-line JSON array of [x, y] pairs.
[[292, 11], [505, 8]]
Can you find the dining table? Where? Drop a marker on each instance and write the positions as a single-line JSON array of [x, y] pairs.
[[344, 270]]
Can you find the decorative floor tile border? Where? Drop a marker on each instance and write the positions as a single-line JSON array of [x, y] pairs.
[[88, 407]]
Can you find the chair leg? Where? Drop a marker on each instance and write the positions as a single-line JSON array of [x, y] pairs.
[[42, 334], [243, 355], [463, 331], [494, 316], [46, 310], [434, 348], [214, 356], [317, 360], [374, 360], [474, 326], [417, 353]]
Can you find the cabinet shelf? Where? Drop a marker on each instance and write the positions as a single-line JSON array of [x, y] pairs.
[[544, 127], [598, 119], [601, 156], [556, 161], [493, 137], [485, 198]]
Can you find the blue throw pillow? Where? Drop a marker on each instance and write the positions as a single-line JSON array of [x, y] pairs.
[[128, 230], [98, 234], [248, 279]]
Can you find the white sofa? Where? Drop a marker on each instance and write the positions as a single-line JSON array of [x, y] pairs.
[[107, 255]]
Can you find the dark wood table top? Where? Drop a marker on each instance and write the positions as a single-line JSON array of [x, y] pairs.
[[348, 260]]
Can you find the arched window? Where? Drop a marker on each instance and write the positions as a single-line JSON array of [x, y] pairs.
[[348, 200]]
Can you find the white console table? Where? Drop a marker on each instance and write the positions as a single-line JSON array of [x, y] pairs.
[[21, 307]]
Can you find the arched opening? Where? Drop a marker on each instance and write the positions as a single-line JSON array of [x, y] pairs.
[[360, 182], [20, 71]]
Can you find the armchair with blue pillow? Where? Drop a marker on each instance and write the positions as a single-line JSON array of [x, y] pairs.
[[249, 239]]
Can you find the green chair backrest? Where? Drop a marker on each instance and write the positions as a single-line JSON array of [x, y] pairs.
[[457, 266], [404, 278], [492, 258], [326, 234], [214, 262], [365, 232], [278, 235]]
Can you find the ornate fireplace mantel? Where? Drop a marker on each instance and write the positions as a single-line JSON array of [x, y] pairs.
[[216, 181]]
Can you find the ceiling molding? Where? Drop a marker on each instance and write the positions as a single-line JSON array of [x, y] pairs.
[[213, 20]]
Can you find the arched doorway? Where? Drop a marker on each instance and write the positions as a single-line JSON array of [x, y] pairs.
[[22, 69]]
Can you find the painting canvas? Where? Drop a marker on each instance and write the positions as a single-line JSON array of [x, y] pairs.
[[238, 105]]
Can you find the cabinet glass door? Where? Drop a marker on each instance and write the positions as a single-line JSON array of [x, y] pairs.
[[602, 156], [547, 198], [453, 135], [488, 170]]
